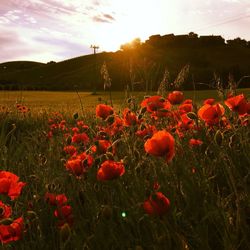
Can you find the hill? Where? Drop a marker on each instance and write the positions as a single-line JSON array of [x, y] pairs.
[[137, 65]]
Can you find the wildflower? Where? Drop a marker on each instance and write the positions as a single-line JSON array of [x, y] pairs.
[[195, 142], [63, 211], [115, 127], [175, 97], [110, 170], [79, 164], [80, 138], [156, 185], [10, 185], [75, 130], [101, 146], [146, 130], [56, 200], [64, 215], [70, 149], [156, 204], [157, 106], [185, 123], [209, 101], [237, 104], [185, 108], [161, 144], [103, 111], [188, 101], [11, 232], [129, 117], [211, 114]]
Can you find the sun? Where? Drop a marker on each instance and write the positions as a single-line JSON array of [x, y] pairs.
[[133, 19]]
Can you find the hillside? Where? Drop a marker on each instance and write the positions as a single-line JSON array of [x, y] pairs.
[[143, 64]]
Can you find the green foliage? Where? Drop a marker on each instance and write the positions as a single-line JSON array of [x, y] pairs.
[[208, 187]]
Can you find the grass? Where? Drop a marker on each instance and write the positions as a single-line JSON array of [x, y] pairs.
[[207, 185], [69, 101]]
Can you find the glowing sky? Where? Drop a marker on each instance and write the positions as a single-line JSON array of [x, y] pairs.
[[44, 30]]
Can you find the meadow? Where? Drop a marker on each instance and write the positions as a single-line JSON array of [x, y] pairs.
[[149, 172], [69, 102]]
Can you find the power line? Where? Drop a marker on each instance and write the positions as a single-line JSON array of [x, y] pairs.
[[95, 48], [223, 22], [239, 16]]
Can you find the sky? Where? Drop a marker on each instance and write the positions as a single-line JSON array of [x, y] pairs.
[[55, 30]]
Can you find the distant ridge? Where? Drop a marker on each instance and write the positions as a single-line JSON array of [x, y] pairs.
[[136, 64], [18, 65]]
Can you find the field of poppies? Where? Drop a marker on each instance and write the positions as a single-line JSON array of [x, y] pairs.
[[162, 173]]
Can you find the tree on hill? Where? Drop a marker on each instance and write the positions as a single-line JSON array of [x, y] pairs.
[[238, 42]]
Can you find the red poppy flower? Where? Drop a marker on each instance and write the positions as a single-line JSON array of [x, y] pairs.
[[75, 130], [101, 146], [211, 114], [156, 204], [12, 232], [79, 164], [64, 215], [210, 101], [129, 117], [161, 144], [103, 111], [115, 127], [156, 105], [80, 138], [175, 97], [56, 200], [188, 101], [185, 108], [237, 104], [87, 159], [195, 142], [147, 130], [10, 185], [70, 149], [110, 170], [75, 166], [5, 211], [81, 124], [185, 123]]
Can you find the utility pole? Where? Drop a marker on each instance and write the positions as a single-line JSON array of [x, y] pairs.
[[95, 48]]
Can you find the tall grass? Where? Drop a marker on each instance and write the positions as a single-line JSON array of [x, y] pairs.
[[208, 185]]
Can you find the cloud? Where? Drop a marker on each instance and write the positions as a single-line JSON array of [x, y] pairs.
[[97, 3], [109, 17], [103, 18], [56, 29], [8, 37]]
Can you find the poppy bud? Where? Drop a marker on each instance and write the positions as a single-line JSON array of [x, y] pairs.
[[109, 155], [69, 140], [129, 100], [31, 215], [65, 232], [110, 119], [192, 115], [218, 137], [143, 110], [75, 116], [106, 212]]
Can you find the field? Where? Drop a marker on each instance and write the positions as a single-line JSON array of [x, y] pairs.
[[155, 172], [70, 101]]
